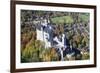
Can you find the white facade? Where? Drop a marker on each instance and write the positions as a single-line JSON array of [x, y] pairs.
[[42, 35]]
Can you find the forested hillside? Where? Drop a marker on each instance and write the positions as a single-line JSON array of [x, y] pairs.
[[74, 25]]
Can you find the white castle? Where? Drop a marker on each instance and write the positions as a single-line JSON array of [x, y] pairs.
[[42, 34], [45, 33]]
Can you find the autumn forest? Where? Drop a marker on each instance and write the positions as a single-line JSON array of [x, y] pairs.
[[48, 36]]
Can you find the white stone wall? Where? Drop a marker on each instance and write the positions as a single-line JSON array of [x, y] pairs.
[[42, 36]]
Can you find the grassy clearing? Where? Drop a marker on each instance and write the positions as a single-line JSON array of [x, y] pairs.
[[62, 20]]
